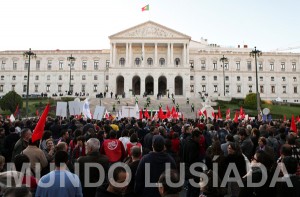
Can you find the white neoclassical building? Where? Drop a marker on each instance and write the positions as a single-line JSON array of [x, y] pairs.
[[151, 58]]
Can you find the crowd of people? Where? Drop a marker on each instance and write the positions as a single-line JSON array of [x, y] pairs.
[[140, 158]]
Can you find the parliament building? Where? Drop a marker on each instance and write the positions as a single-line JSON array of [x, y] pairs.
[[153, 59]]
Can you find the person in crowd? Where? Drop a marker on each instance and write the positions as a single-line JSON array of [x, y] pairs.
[[22, 143], [92, 156], [133, 165], [229, 138], [156, 164], [46, 135], [125, 138], [254, 138], [134, 141], [117, 185], [262, 145], [64, 136], [17, 192], [9, 143], [51, 184], [209, 188], [50, 150], [2, 163], [79, 149], [168, 190], [245, 143], [36, 156], [291, 140]]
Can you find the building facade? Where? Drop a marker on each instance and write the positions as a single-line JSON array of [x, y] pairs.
[[153, 59]]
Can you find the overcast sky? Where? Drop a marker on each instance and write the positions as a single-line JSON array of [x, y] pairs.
[[86, 24]]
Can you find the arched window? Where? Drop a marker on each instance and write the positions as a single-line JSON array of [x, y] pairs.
[[149, 61], [137, 61], [177, 61], [162, 61], [122, 61]]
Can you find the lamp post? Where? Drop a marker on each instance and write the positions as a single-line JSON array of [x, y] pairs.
[[224, 59], [256, 53], [72, 60], [28, 55]]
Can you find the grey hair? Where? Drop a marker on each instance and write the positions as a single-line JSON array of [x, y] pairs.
[[93, 144]]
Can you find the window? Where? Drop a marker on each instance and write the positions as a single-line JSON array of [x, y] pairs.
[[261, 89], [192, 88], [227, 88], [192, 64], [226, 66], [293, 66], [13, 87], [24, 88], [282, 66], [227, 78], [49, 65], [162, 61], [150, 61], [203, 78], [25, 78], [122, 61], [83, 77], [95, 88], [82, 88], [294, 79], [26, 65], [215, 78], [215, 65], [238, 65], [238, 78], [2, 77], [283, 78], [48, 77], [84, 65], [261, 78], [38, 64], [203, 88], [177, 61], [14, 65], [250, 88], [273, 89], [215, 88], [36, 77], [48, 88], [107, 63], [1, 88], [137, 61], [272, 78], [106, 77], [59, 88], [13, 77], [60, 64], [238, 89], [249, 65], [96, 65], [249, 78], [203, 65], [95, 77], [295, 89], [260, 66], [36, 88], [3, 65], [272, 66], [191, 78], [59, 77], [284, 89]]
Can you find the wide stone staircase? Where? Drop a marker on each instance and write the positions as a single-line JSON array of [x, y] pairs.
[[154, 105]]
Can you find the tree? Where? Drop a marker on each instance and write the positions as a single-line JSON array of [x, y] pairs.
[[250, 101], [10, 101]]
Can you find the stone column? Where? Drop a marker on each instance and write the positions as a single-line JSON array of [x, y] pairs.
[[130, 55], [155, 84], [126, 59], [168, 57], [111, 54], [187, 54], [172, 55], [114, 55], [143, 54], [142, 85], [184, 53], [155, 55]]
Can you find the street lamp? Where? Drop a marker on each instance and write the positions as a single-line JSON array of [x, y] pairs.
[[256, 53], [28, 55], [72, 60], [224, 59]]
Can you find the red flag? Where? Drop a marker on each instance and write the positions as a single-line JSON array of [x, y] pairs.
[[16, 111], [160, 113], [227, 114], [141, 114], [284, 118], [173, 113], [146, 114], [168, 112], [219, 113], [293, 125], [236, 116], [145, 8], [199, 112], [213, 114], [297, 119], [242, 113], [39, 128], [205, 113]]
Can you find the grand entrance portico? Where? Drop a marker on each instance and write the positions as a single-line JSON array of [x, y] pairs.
[[149, 58]]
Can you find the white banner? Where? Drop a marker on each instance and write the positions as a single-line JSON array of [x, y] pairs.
[[75, 108], [129, 111], [99, 112], [61, 109]]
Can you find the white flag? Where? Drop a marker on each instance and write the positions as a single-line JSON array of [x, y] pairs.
[[86, 109]]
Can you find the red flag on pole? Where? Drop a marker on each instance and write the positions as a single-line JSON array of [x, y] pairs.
[[160, 113], [16, 111], [146, 114], [236, 116], [39, 128], [227, 114], [219, 113], [293, 125], [141, 114], [205, 113], [168, 112]]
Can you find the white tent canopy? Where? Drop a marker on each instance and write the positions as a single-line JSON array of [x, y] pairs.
[[278, 99]]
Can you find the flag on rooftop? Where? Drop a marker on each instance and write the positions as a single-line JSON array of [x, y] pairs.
[[145, 8]]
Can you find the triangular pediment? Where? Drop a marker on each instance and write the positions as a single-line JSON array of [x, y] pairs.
[[149, 29]]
